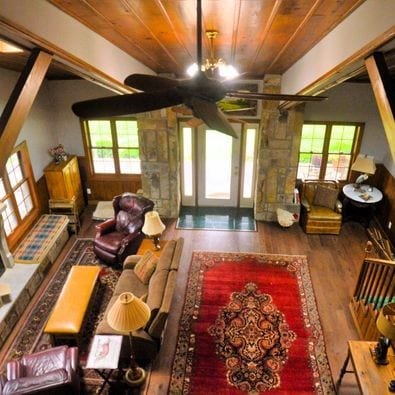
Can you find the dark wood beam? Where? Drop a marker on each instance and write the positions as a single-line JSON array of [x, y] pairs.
[[19, 104], [384, 92]]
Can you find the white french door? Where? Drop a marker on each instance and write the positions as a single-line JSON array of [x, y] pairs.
[[218, 170], [217, 167]]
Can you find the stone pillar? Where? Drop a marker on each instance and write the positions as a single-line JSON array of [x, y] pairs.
[[160, 164], [6, 256], [277, 160]]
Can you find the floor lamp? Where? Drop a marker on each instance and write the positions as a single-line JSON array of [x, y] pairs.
[[127, 314]]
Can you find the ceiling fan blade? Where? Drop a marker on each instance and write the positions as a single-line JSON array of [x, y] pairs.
[[183, 110], [150, 83], [274, 96], [126, 104], [211, 115]]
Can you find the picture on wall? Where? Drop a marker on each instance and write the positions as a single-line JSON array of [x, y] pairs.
[[234, 106]]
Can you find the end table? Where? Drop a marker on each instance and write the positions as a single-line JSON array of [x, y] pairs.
[[104, 357]]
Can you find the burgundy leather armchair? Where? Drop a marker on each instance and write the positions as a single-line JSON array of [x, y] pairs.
[[52, 371], [121, 236]]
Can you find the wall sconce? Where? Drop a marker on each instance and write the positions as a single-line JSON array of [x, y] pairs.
[[153, 228]]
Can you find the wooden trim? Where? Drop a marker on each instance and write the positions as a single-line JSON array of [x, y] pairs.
[[24, 225], [78, 66], [22, 97], [383, 89], [325, 82]]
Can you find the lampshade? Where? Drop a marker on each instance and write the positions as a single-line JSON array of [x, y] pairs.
[[128, 313], [153, 224], [364, 164], [386, 321]]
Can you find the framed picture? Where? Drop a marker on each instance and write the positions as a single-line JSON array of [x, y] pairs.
[[242, 108]]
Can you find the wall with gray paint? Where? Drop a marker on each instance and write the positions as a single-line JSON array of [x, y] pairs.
[[354, 102], [39, 129]]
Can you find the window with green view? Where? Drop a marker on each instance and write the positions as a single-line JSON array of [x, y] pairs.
[[327, 150], [113, 146]]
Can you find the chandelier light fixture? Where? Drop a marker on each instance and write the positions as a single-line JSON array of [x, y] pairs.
[[212, 65]]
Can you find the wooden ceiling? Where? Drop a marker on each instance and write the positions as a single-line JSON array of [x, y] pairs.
[[256, 36]]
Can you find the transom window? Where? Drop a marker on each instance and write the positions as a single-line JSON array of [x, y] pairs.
[[17, 189], [328, 149], [113, 146]]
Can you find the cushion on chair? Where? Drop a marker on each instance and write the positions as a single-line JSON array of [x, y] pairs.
[[145, 266], [28, 385], [325, 197]]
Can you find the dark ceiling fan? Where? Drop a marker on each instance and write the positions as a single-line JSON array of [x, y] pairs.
[[200, 93]]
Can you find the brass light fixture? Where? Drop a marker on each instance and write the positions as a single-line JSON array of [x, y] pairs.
[[213, 65]]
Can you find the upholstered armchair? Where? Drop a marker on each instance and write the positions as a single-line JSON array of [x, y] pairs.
[[121, 235], [321, 211], [52, 371]]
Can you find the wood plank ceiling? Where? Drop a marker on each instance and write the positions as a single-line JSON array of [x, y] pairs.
[[256, 36]]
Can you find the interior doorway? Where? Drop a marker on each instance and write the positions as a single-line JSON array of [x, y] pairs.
[[218, 170]]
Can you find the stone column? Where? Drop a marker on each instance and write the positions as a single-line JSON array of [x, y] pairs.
[[160, 164], [277, 160], [5, 253]]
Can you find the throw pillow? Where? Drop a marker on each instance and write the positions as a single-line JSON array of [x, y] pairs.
[[325, 197], [145, 267]]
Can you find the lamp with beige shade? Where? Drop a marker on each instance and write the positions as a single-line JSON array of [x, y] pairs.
[[153, 227], [386, 326], [363, 164], [127, 314]]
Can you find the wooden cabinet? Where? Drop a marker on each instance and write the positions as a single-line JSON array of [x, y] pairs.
[[64, 182]]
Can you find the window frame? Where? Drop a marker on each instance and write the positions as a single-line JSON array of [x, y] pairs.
[[23, 224], [115, 148], [325, 154]]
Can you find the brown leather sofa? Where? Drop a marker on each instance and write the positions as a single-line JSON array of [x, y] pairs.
[[121, 235], [157, 294], [52, 371], [321, 210]]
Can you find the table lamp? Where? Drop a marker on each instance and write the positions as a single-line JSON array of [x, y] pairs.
[[153, 227], [363, 164], [127, 314], [386, 326]]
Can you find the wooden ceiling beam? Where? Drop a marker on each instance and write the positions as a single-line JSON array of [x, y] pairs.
[[21, 99], [384, 92]]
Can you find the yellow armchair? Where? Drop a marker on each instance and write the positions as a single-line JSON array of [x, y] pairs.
[[321, 210]]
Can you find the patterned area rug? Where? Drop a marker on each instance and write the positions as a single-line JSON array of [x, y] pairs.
[[31, 337], [250, 325]]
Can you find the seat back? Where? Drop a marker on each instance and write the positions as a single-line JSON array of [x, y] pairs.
[[309, 188]]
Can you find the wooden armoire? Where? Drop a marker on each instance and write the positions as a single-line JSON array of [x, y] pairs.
[[64, 181]]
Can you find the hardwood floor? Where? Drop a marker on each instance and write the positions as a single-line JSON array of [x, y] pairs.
[[334, 265]]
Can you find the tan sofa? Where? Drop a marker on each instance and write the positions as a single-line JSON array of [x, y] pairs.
[[157, 294]]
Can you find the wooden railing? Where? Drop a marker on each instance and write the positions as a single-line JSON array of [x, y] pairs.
[[375, 288]]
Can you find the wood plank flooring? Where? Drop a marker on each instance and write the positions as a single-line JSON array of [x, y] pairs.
[[334, 264]]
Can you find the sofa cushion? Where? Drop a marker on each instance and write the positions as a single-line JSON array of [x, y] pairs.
[[158, 323], [156, 289], [166, 256], [325, 197], [129, 282], [145, 266]]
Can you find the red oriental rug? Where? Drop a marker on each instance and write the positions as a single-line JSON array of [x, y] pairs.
[[250, 325]]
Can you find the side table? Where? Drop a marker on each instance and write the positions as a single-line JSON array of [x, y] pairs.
[[104, 357], [147, 245], [359, 203], [372, 378]]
